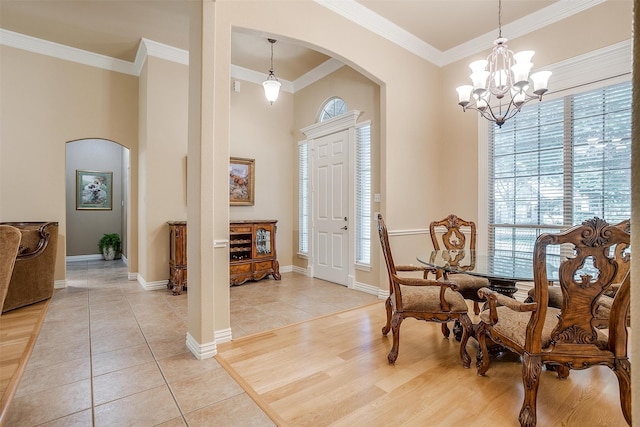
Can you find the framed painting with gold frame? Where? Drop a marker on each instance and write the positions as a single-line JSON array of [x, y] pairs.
[[241, 181]]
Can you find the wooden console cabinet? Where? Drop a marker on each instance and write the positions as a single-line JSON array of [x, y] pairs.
[[177, 256], [252, 251]]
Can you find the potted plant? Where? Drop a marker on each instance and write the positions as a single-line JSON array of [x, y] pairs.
[[110, 246]]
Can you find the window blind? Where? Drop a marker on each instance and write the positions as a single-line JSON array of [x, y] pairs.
[[303, 198], [363, 194], [558, 163]]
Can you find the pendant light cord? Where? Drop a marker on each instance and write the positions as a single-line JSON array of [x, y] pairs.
[[499, 18], [272, 42]]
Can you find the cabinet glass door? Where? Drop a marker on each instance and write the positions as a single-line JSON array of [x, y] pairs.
[[263, 241]]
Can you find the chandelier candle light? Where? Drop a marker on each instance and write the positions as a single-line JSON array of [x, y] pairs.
[[499, 92], [271, 85]]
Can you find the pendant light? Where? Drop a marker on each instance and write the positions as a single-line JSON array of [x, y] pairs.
[[271, 85]]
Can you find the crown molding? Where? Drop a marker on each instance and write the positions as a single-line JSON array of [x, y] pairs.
[[349, 9], [56, 50], [256, 77], [148, 48], [373, 22], [318, 73], [159, 50], [535, 21], [145, 48], [360, 15]]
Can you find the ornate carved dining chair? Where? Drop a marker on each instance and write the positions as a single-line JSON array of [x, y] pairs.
[[567, 337], [603, 308], [422, 299], [449, 233]]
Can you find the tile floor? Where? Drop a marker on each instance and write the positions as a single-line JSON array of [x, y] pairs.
[[112, 354]]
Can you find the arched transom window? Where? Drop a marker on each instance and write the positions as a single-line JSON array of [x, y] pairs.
[[332, 108]]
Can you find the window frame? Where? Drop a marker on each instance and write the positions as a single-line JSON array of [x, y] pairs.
[[602, 67], [558, 145]]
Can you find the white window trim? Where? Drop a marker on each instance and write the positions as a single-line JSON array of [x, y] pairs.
[[599, 68]]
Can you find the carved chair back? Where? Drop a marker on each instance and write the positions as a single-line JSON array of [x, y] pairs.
[[584, 276], [453, 236], [622, 252]]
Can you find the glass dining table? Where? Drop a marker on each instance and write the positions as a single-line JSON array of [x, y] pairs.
[[503, 269]]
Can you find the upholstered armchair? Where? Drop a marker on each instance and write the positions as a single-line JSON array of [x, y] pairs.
[[9, 245], [33, 274]]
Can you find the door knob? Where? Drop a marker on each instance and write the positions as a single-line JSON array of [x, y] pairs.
[[343, 228]]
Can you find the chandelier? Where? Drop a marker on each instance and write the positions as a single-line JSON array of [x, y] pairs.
[[500, 91], [271, 85]]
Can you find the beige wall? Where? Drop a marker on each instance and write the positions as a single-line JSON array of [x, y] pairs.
[[163, 151], [408, 117], [45, 103], [597, 27], [403, 125], [264, 132]]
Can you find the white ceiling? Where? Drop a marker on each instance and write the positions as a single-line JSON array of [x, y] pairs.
[[441, 31]]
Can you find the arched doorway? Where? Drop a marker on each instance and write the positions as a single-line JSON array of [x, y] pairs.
[[97, 188]]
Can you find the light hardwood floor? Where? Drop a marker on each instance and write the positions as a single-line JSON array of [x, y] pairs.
[[18, 333], [110, 353], [333, 371]]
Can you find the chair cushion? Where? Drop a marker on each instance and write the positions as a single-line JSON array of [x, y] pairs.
[[468, 282], [555, 296], [468, 285], [427, 299], [513, 325]]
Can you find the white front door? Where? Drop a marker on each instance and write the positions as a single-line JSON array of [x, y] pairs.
[[331, 207]]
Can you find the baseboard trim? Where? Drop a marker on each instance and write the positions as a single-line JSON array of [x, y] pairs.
[[60, 284], [300, 270], [201, 351], [92, 257], [151, 286], [222, 336], [286, 269], [363, 287]]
